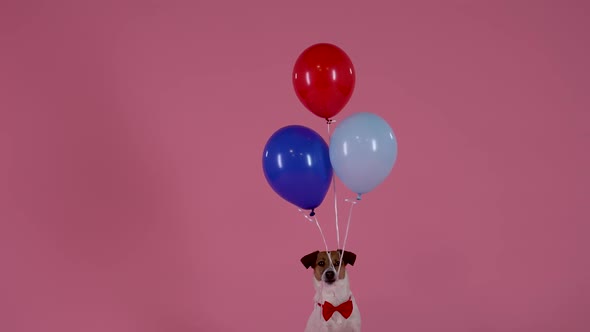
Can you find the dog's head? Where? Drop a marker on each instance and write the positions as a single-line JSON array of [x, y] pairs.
[[327, 264]]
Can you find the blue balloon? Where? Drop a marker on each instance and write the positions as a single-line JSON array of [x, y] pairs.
[[296, 164], [363, 150]]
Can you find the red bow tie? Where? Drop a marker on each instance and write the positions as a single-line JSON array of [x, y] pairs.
[[328, 309]]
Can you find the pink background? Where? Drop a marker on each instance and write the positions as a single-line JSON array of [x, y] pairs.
[[132, 196]]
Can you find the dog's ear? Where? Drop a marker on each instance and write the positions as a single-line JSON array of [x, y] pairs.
[[348, 257], [309, 259]]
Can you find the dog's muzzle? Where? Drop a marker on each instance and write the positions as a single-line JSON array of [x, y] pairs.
[[330, 275]]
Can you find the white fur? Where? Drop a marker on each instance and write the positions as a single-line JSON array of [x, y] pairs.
[[336, 293]]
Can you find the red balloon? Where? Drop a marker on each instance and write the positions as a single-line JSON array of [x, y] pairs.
[[323, 78]]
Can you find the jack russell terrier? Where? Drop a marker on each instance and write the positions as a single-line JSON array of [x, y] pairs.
[[335, 308]]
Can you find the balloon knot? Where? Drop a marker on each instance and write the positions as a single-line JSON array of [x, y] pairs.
[[312, 213], [358, 197], [330, 121]]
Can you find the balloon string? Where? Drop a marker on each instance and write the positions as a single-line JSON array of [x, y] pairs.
[[352, 204], [336, 211], [324, 238], [305, 215], [330, 121], [315, 219]]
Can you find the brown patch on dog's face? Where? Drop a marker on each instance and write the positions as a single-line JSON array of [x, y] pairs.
[[320, 261]]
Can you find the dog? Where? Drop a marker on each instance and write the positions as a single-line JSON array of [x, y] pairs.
[[335, 308]]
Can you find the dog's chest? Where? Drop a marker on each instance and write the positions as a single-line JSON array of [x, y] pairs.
[[342, 316]]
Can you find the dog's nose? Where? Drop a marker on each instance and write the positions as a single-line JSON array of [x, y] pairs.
[[330, 274]]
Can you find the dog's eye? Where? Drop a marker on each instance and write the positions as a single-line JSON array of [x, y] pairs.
[[337, 263], [321, 263]]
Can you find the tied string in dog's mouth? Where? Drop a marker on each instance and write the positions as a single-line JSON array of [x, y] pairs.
[[315, 219], [352, 203]]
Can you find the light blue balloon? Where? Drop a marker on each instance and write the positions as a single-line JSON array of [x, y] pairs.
[[363, 150]]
